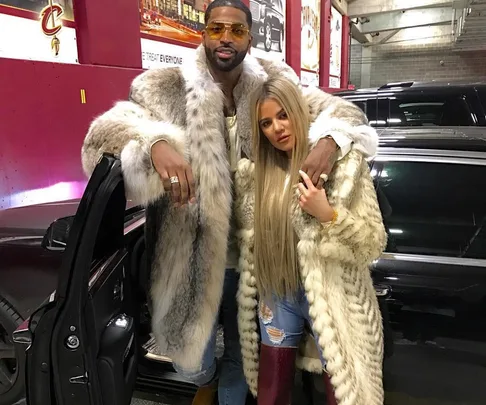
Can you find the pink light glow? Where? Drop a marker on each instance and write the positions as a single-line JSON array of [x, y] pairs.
[[57, 192]]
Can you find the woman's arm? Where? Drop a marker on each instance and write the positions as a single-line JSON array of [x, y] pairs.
[[353, 233]]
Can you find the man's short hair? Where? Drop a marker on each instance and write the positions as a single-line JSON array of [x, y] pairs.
[[228, 3]]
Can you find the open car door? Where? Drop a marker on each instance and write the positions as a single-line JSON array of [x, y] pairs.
[[83, 348]]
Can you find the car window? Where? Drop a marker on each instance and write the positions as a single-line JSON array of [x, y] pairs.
[[433, 208], [368, 107], [382, 113], [417, 109], [361, 104], [482, 97]]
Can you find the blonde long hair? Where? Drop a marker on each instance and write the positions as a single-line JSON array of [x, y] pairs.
[[276, 263]]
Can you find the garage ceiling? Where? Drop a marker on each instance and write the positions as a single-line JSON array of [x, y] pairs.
[[377, 21]]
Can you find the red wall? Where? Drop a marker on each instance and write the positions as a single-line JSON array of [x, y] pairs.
[[108, 36], [43, 123], [293, 33]]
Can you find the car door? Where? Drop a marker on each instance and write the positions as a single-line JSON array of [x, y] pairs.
[[481, 92], [434, 209], [83, 348]]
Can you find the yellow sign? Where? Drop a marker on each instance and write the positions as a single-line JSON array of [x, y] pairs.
[[83, 96]]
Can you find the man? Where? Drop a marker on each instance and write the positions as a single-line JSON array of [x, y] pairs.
[[179, 137]]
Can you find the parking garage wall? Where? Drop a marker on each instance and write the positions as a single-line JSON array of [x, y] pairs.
[[418, 63], [356, 62]]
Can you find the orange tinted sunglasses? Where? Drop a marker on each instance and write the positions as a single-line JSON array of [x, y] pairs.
[[216, 30]]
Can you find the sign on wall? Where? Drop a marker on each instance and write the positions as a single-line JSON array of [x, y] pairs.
[[37, 6], [311, 28], [268, 29], [181, 20], [157, 54], [336, 48], [38, 30]]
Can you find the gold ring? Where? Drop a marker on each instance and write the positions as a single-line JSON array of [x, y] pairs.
[[174, 180]]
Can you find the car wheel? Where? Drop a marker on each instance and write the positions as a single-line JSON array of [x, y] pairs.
[[12, 359], [267, 37]]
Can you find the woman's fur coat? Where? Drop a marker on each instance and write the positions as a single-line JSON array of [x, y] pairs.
[[187, 246], [334, 268]]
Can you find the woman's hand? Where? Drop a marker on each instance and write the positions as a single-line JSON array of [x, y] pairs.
[[314, 201]]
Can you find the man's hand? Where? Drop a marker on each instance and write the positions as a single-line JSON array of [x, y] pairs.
[[171, 165], [321, 159]]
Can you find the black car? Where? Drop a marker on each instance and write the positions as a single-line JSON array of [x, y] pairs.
[[412, 104], [90, 343]]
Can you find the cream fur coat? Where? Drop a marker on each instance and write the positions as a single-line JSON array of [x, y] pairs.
[[186, 247], [334, 269]]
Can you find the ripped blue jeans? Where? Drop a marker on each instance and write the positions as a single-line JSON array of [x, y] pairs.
[[282, 321]]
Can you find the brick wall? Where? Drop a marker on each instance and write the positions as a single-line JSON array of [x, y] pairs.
[[419, 63], [356, 55], [423, 63]]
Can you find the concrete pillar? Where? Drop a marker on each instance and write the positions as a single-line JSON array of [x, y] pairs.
[[366, 67]]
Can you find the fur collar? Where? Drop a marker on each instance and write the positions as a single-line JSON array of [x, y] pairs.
[[155, 86], [199, 82]]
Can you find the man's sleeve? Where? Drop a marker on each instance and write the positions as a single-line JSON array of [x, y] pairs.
[[128, 130], [332, 116], [342, 120], [343, 143]]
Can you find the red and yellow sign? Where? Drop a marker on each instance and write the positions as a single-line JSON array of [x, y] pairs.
[[51, 24], [51, 19]]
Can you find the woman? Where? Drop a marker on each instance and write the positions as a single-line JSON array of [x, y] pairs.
[[305, 256]]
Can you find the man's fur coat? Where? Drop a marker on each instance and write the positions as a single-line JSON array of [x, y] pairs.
[[334, 270], [187, 246]]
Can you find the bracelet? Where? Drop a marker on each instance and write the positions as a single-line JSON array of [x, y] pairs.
[[334, 216], [333, 219], [157, 141], [330, 137], [152, 145]]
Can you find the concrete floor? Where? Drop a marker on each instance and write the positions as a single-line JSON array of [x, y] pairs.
[[141, 399], [137, 401]]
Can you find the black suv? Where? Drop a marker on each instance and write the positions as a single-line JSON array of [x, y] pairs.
[[411, 104], [89, 342]]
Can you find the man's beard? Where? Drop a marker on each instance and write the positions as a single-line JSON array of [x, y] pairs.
[[224, 65]]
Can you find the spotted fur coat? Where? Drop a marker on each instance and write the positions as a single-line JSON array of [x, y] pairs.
[[334, 268], [187, 246]]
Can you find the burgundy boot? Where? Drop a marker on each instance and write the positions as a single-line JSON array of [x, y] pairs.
[[330, 398], [276, 375]]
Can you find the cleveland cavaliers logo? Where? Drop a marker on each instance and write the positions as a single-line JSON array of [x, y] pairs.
[[51, 24]]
